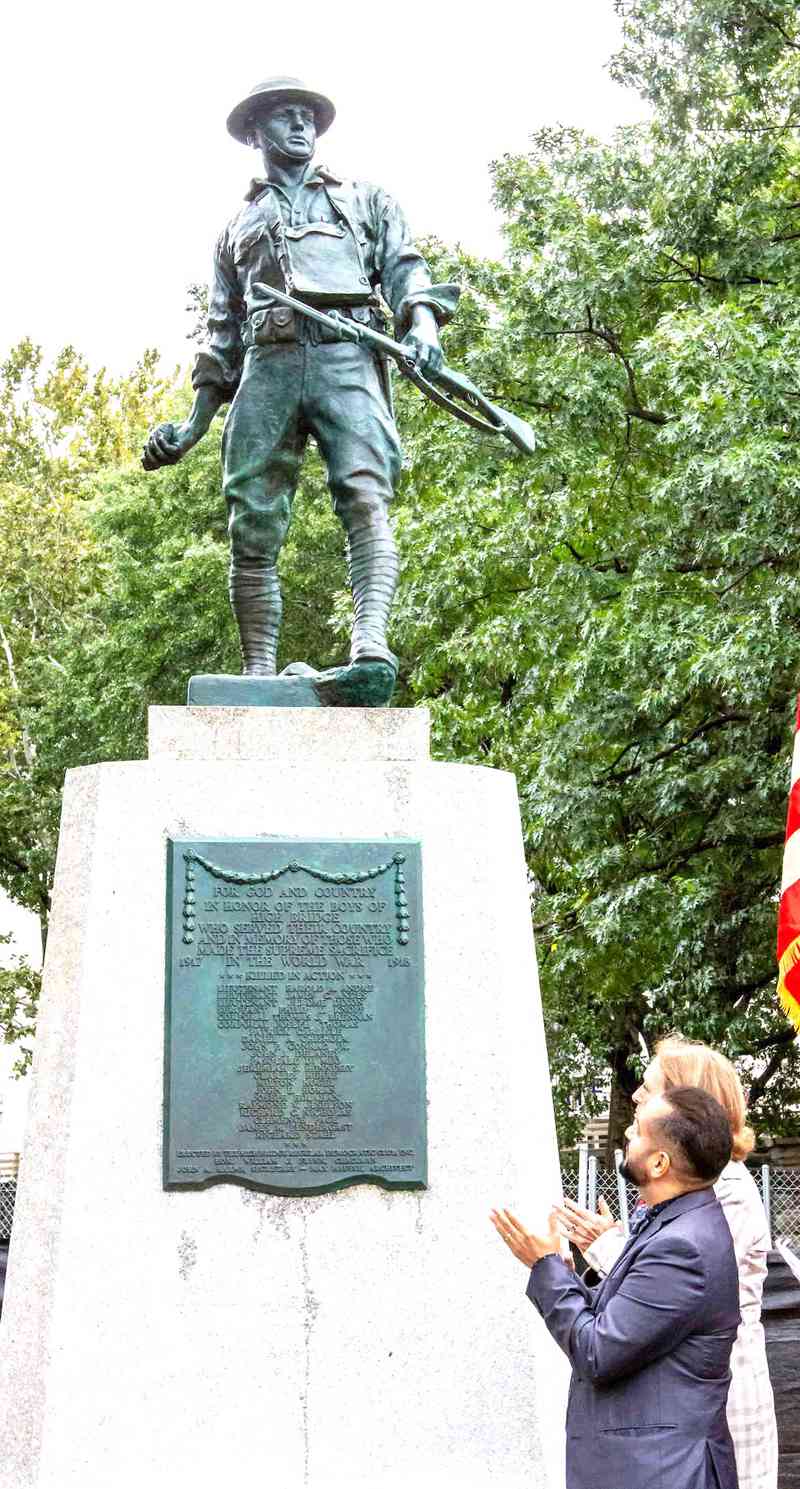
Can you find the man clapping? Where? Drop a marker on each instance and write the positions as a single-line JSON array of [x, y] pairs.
[[650, 1347]]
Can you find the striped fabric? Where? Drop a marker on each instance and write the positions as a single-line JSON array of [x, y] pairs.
[[751, 1410], [789, 911]]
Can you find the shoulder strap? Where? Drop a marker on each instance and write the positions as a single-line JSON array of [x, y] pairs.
[[341, 201], [270, 206]]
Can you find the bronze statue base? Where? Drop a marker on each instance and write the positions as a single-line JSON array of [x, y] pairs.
[[359, 685]]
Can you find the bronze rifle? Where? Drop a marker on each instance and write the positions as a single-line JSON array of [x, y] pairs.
[[449, 389]]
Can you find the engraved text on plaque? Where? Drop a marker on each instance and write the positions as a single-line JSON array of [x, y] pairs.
[[295, 1017]]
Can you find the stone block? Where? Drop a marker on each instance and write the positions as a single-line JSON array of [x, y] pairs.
[[365, 1338], [289, 735]]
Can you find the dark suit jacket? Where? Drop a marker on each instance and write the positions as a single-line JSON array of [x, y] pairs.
[[650, 1350]]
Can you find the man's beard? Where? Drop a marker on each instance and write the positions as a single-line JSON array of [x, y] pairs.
[[632, 1173]]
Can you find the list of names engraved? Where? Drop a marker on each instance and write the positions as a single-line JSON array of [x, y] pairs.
[[295, 1021]]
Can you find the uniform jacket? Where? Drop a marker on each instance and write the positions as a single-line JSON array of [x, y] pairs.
[[650, 1350], [246, 254], [751, 1409]]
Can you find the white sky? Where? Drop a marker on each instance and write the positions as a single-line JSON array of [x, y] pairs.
[[119, 172]]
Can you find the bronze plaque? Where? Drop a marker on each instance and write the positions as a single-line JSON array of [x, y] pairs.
[[295, 1023]]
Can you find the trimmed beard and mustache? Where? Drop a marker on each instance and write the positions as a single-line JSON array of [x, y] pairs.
[[632, 1173]]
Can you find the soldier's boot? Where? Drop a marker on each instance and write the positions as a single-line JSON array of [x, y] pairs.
[[256, 602], [373, 566]]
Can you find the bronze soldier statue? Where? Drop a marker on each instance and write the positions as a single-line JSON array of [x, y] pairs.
[[331, 244]]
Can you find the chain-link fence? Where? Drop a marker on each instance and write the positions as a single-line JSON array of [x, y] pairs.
[[596, 1182], [781, 1194], [779, 1188], [8, 1191]]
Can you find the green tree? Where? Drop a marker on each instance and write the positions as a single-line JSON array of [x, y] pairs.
[[58, 426], [19, 999], [620, 620]]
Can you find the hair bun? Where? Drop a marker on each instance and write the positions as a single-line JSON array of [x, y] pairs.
[[744, 1142]]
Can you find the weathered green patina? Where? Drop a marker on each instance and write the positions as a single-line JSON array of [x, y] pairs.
[[335, 243], [295, 1058], [361, 685]]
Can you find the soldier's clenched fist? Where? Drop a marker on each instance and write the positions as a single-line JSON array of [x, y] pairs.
[[167, 444]]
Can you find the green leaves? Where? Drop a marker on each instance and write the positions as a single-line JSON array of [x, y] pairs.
[[19, 1001], [618, 621], [113, 585]]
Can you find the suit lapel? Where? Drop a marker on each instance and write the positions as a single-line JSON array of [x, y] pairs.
[[693, 1200], [626, 1256]]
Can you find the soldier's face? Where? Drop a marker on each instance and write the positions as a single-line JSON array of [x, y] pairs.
[[289, 128]]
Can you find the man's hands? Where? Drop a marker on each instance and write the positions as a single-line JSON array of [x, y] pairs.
[[581, 1226], [567, 1221], [527, 1247], [423, 340], [167, 444]]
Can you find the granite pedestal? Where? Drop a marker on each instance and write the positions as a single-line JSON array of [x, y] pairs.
[[367, 1338]]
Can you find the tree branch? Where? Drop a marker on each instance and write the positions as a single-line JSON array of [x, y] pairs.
[[698, 277], [770, 20], [675, 861], [761, 1082], [634, 407], [787, 1036], [734, 717]]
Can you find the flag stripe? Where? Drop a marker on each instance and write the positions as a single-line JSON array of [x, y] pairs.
[[789, 909], [796, 757], [788, 918], [791, 862], [793, 815]]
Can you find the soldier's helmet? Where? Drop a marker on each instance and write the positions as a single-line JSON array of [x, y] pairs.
[[279, 90]]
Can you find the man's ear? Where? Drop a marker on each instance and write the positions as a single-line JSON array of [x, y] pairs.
[[660, 1165]]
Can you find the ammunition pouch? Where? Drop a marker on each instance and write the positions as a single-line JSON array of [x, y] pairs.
[[277, 323], [274, 323]]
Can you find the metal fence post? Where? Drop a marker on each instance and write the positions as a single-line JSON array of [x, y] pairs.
[[622, 1193], [583, 1173], [766, 1196], [591, 1192]]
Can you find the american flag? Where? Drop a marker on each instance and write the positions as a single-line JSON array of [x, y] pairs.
[[789, 910]]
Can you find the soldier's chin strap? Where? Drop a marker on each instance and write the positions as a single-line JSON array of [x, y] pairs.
[[275, 151]]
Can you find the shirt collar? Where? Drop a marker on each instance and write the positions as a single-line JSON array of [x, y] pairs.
[[644, 1213], [315, 176]]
